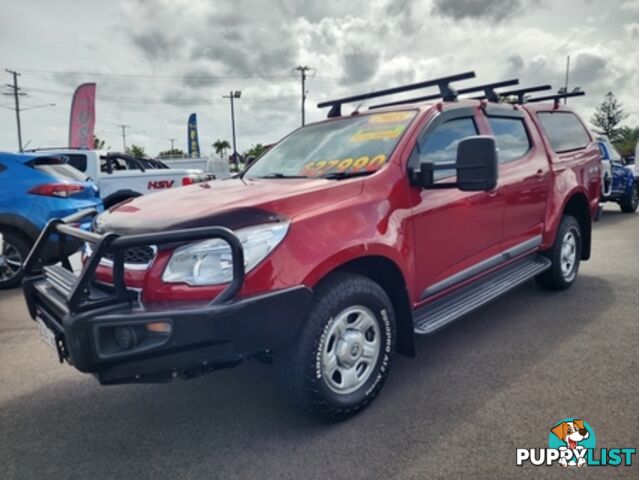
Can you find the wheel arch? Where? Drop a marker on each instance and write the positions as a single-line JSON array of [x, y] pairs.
[[577, 206], [389, 276], [20, 226]]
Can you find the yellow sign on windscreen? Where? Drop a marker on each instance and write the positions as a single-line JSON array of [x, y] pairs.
[[392, 117], [368, 134]]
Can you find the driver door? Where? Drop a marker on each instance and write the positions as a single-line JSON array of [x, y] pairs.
[[457, 234]]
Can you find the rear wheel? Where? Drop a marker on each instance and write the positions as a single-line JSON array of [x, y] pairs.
[[630, 202], [565, 256], [13, 252], [342, 356]]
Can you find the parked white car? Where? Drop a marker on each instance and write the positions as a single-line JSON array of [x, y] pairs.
[[120, 176]]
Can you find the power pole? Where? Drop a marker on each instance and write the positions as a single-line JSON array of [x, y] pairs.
[[172, 140], [123, 128], [233, 94], [15, 91], [567, 77], [303, 69]]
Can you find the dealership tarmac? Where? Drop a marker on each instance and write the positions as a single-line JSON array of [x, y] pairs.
[[493, 382]]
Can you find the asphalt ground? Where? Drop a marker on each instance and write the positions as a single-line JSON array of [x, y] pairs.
[[495, 381]]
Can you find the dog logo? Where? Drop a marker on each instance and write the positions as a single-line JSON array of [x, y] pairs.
[[571, 443], [573, 434]]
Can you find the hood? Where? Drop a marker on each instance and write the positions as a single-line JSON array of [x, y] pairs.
[[232, 203]]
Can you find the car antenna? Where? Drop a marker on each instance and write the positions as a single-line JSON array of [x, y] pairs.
[[356, 111]]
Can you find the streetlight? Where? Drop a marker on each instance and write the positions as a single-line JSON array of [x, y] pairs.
[[233, 94]]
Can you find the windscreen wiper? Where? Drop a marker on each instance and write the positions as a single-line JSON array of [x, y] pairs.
[[343, 175], [281, 175]]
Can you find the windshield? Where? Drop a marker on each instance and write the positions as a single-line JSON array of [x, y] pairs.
[[351, 146]]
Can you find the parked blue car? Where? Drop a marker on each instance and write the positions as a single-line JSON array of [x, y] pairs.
[[619, 182], [34, 190]]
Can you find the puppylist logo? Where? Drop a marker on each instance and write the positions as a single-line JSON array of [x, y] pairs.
[[572, 443]]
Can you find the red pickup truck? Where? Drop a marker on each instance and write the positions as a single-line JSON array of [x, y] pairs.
[[333, 249]]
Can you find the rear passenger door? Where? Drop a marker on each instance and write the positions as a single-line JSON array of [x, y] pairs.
[[524, 177]]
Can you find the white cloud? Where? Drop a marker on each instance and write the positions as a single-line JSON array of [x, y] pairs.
[[185, 55]]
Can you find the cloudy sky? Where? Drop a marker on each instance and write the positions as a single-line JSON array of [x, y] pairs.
[[155, 62]]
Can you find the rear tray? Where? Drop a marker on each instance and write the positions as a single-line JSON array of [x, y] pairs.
[[441, 312]]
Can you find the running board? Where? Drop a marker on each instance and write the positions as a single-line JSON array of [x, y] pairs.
[[434, 316]]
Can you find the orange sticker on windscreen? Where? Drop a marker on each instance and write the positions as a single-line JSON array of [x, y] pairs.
[[392, 117]]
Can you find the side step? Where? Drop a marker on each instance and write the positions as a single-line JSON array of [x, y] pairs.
[[434, 316]]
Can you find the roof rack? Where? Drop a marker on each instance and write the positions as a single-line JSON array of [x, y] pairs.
[[555, 98], [488, 89], [39, 149], [521, 93], [447, 92]]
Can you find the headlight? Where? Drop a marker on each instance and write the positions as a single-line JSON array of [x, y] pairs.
[[211, 263]]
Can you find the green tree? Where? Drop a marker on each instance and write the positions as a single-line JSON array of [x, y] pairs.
[[221, 146], [136, 151], [608, 117], [627, 140], [98, 143], [255, 150], [171, 152]]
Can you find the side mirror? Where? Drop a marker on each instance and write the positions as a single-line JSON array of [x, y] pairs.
[[476, 166]]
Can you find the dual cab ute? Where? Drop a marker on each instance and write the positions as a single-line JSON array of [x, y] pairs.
[[333, 249]]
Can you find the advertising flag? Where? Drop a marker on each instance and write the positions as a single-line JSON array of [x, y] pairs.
[[192, 140], [82, 123]]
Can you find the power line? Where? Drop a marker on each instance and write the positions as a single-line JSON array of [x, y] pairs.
[[147, 76], [164, 101]]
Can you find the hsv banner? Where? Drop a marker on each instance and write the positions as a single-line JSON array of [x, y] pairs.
[[192, 140], [82, 121]]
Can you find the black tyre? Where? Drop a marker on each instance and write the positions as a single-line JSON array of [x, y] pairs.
[[343, 353], [13, 252], [565, 256], [629, 203]]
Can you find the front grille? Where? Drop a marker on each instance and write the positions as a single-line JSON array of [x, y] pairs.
[[136, 255]]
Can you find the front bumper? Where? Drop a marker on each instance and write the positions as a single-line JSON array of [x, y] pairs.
[[107, 331]]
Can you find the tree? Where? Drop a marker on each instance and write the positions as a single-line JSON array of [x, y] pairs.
[[608, 116], [171, 153], [626, 140], [98, 143], [221, 146], [255, 150], [136, 151]]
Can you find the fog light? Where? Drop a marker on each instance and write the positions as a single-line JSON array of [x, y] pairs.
[[158, 327], [125, 338]]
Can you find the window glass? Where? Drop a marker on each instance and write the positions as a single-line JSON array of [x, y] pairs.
[[77, 161], [564, 131], [440, 145], [511, 137], [58, 168], [355, 144]]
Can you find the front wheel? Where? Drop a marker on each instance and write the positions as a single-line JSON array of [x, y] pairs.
[[630, 202], [342, 356], [565, 256]]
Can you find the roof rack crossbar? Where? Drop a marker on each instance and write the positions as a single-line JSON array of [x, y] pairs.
[[488, 89], [447, 92], [555, 98], [521, 93]]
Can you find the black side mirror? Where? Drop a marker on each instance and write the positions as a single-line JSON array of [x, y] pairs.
[[476, 166]]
